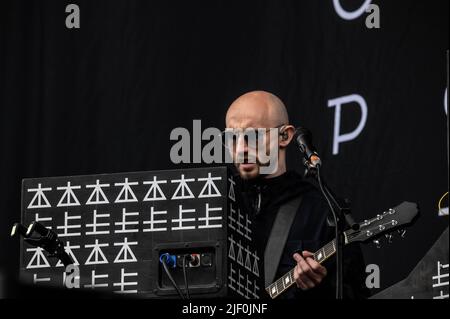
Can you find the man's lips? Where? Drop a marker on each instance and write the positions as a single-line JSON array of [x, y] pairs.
[[247, 166]]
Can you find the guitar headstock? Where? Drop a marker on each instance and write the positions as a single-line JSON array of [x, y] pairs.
[[390, 220]]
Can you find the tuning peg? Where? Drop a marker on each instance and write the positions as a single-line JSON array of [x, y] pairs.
[[402, 232], [377, 243], [389, 238]]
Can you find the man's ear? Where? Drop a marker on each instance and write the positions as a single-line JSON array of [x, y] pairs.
[[287, 133]]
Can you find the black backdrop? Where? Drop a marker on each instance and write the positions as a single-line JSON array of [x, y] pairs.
[[104, 98]]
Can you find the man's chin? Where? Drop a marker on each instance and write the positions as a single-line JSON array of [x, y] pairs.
[[248, 171]]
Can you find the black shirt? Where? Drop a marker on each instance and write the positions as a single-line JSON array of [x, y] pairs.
[[310, 231]]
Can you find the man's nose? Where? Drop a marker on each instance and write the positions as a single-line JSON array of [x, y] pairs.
[[241, 146]]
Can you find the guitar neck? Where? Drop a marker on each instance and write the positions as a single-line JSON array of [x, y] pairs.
[[287, 280]]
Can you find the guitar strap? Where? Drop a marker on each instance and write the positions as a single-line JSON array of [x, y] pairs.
[[278, 236]]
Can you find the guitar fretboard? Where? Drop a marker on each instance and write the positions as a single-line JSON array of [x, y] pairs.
[[287, 280]]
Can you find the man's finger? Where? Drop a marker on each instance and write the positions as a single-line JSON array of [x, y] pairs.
[[309, 272], [309, 276], [297, 257], [316, 267], [297, 273]]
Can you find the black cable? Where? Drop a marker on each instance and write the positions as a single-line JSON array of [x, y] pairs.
[[338, 250], [349, 221], [172, 280], [331, 196], [185, 276]]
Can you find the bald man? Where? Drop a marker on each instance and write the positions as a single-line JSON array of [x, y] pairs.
[[262, 194]]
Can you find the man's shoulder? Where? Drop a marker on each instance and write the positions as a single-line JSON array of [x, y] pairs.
[[310, 229], [313, 203]]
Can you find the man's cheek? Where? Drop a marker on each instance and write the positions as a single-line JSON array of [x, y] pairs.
[[270, 165]]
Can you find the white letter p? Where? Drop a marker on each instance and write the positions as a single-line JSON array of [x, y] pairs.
[[337, 102]]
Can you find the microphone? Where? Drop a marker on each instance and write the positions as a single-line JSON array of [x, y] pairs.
[[47, 239], [38, 228], [18, 229], [304, 142]]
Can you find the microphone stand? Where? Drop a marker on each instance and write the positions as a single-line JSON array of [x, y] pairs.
[[342, 219]]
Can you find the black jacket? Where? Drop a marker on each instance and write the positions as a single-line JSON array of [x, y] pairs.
[[310, 231]]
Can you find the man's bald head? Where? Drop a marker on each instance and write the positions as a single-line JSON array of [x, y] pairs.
[[257, 109]]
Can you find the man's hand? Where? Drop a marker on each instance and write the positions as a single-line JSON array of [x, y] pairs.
[[308, 273]]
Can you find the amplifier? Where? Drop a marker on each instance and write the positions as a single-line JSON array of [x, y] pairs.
[[119, 228]]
